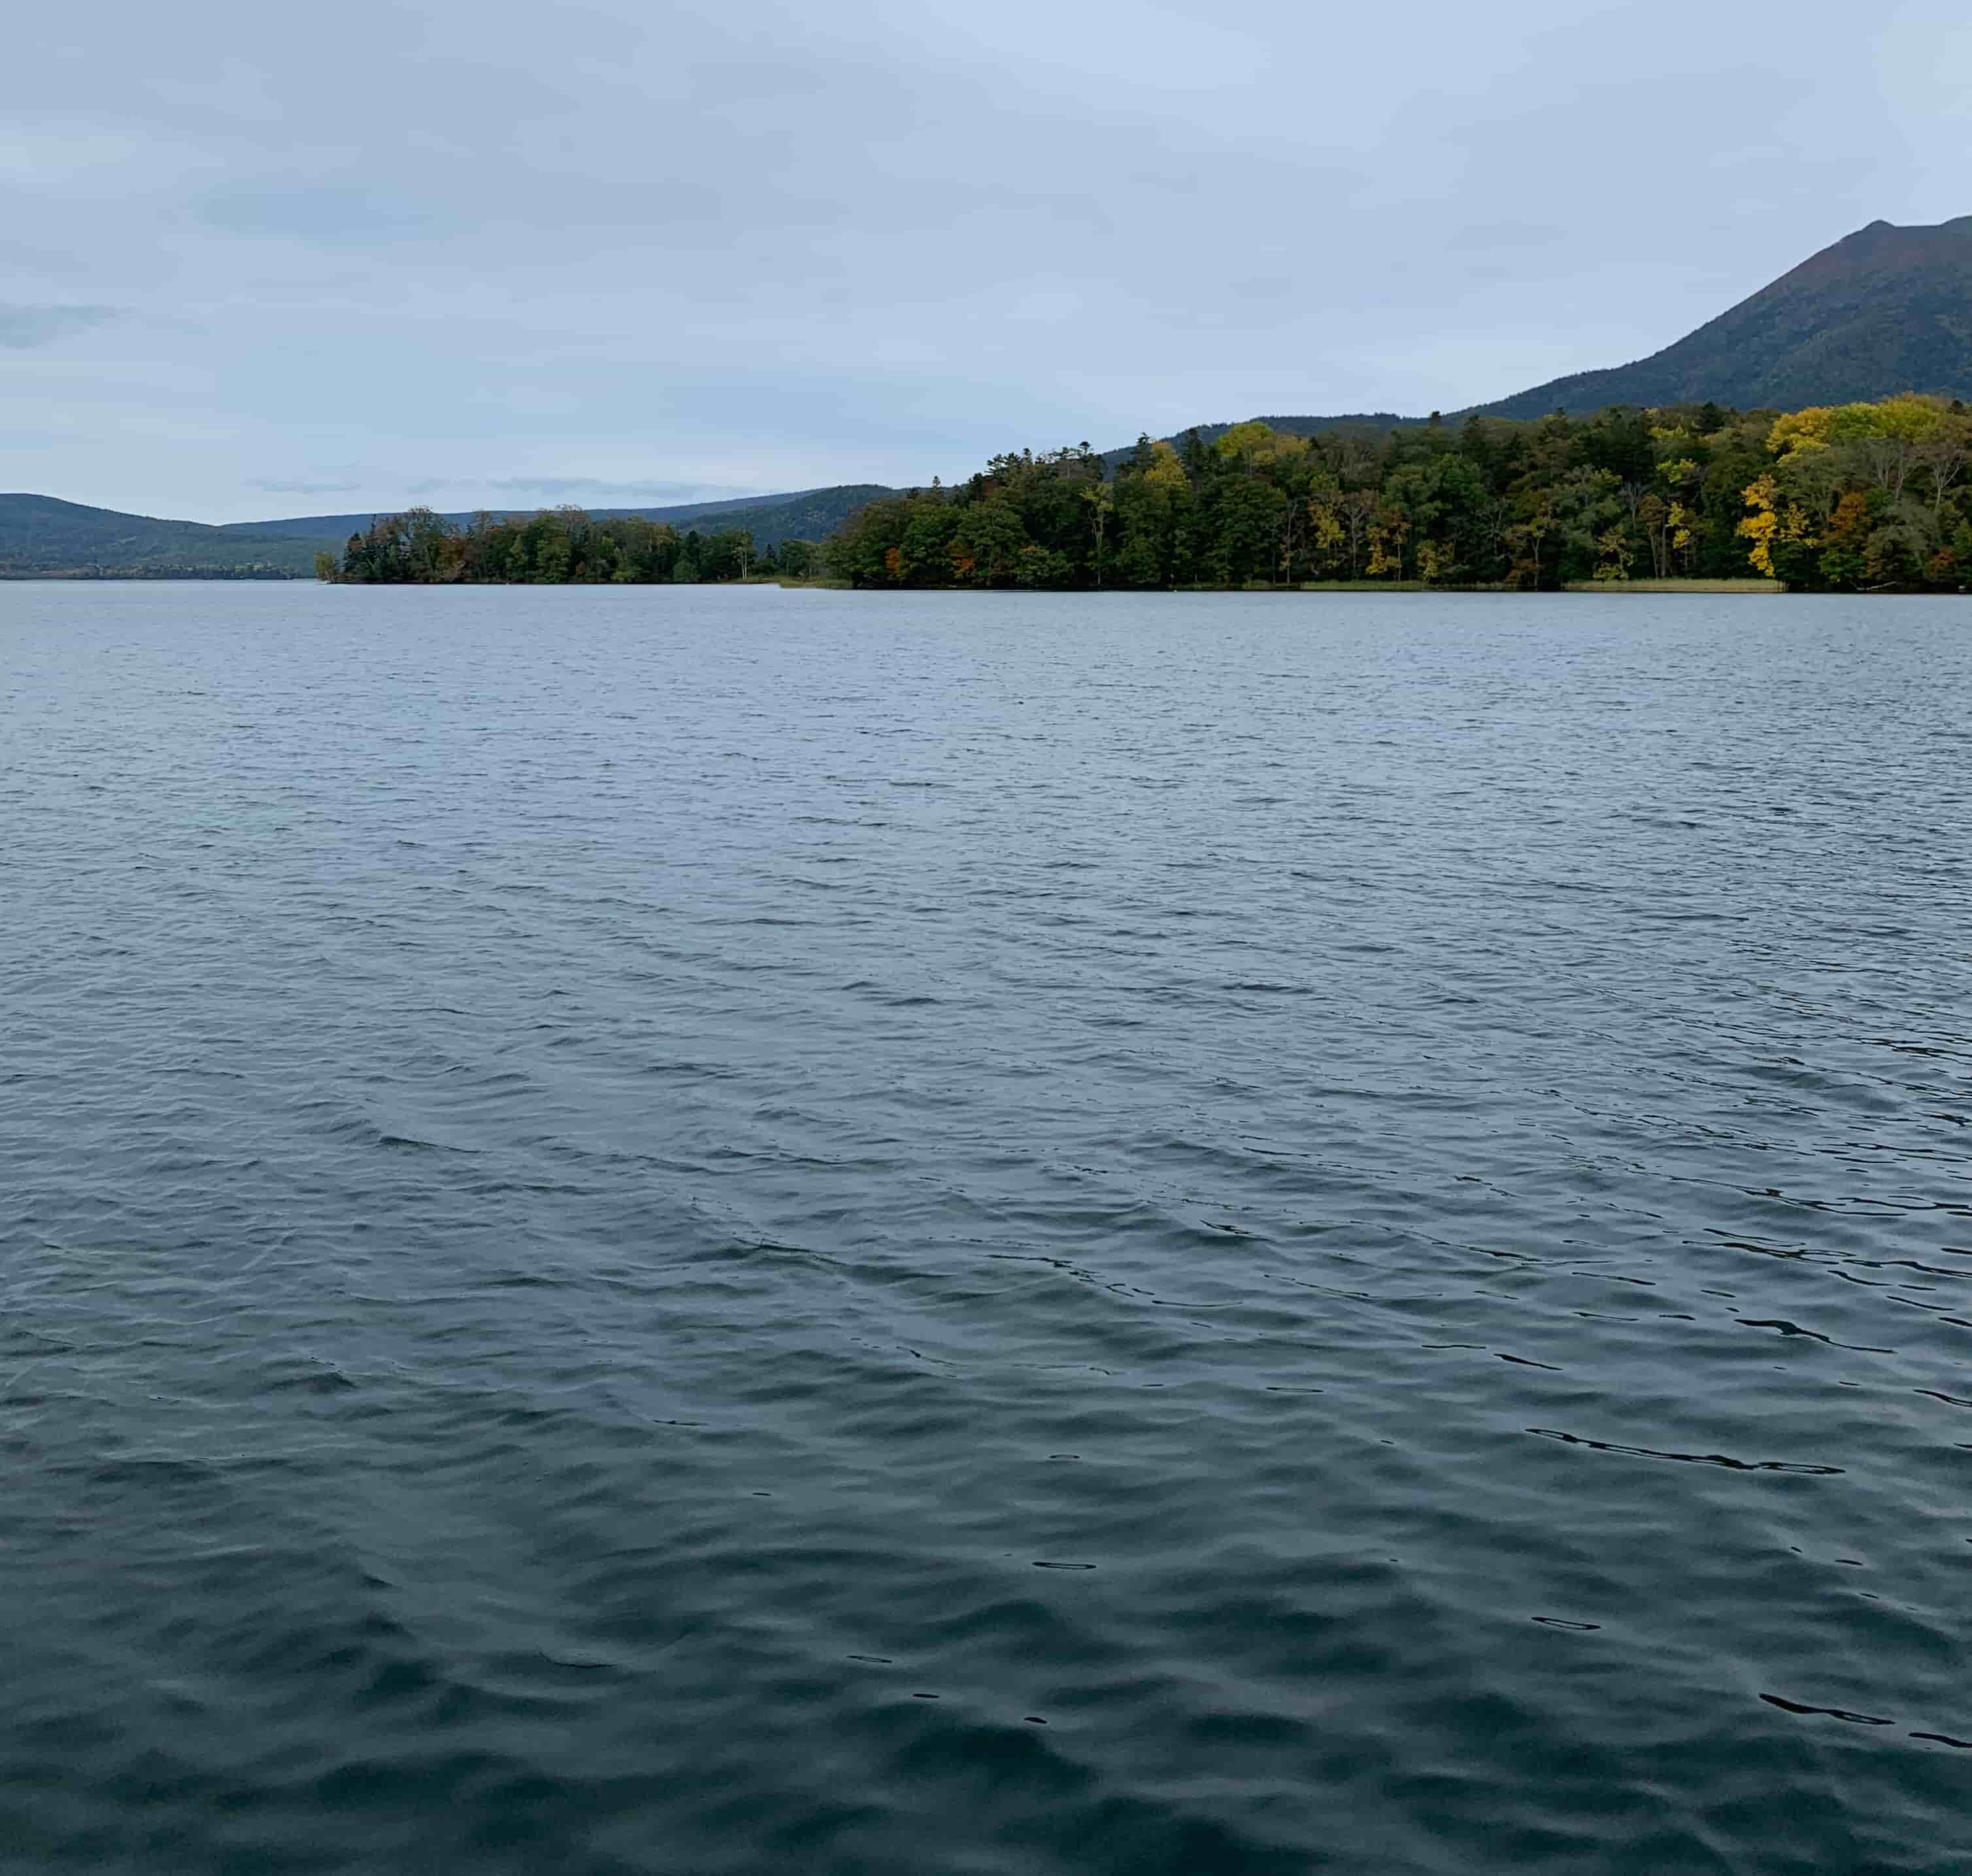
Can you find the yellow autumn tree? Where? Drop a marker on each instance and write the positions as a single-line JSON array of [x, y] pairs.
[[1258, 447], [1775, 520], [1613, 551], [1388, 533], [1683, 525], [1326, 532], [1762, 524], [1799, 433], [1166, 470], [1816, 451]]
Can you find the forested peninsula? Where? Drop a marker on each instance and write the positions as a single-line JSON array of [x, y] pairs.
[[557, 547], [1854, 497]]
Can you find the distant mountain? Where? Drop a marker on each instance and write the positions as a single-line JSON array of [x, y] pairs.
[[808, 513], [40, 536], [1886, 309], [772, 519]]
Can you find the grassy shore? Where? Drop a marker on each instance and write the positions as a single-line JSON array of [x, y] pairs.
[[1344, 585], [1675, 585], [1388, 585]]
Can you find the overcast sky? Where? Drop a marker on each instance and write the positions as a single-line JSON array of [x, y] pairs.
[[260, 260]]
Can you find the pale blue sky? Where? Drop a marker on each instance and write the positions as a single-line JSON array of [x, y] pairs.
[[263, 261]]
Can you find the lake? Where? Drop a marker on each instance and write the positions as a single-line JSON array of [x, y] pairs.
[[721, 1230]]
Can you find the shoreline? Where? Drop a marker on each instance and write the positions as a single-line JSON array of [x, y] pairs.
[[1694, 589]]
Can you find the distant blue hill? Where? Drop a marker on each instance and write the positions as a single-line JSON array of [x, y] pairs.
[[805, 514], [41, 537]]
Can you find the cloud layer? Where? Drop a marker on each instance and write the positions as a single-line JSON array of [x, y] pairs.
[[501, 252], [22, 328]]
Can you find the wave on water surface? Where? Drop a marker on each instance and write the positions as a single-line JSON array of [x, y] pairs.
[[675, 1231]]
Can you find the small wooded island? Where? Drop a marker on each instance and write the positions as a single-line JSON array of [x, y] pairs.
[[1854, 497]]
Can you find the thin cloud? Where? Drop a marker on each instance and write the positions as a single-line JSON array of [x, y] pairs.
[[580, 487], [346, 216], [275, 486], [23, 327]]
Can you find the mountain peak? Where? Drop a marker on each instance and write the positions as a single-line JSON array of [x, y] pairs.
[[1885, 309]]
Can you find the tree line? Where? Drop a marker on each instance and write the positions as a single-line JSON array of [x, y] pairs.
[[557, 547], [1861, 497]]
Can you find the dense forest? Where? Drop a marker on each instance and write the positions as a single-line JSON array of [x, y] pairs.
[[556, 547], [1860, 497], [1872, 497]]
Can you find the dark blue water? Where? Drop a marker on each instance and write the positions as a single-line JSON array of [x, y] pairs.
[[703, 1232]]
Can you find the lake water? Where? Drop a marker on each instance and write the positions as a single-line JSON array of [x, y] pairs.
[[727, 1231]]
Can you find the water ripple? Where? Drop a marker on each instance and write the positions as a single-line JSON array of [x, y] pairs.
[[710, 1231]]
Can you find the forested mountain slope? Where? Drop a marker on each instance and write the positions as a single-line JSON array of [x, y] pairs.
[[1886, 309], [41, 536]]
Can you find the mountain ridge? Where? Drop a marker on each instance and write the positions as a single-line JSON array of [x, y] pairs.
[[44, 536], [41, 535], [334, 530]]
